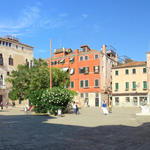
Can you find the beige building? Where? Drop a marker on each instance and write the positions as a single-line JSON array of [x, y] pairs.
[[12, 53], [129, 84]]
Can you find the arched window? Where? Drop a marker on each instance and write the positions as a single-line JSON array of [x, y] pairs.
[[1, 59], [27, 62], [11, 61]]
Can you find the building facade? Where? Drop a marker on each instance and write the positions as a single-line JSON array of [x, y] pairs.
[[90, 72], [130, 84], [12, 53]]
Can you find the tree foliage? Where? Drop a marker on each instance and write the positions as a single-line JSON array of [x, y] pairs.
[[26, 80]]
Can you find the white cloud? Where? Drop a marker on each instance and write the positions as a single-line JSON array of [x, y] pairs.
[[27, 18]]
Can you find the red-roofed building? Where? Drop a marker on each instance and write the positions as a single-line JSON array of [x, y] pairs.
[[90, 72]]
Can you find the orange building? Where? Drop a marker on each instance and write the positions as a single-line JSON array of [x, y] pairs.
[[90, 72]]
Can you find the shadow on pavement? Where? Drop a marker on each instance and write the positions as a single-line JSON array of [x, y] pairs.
[[31, 132]]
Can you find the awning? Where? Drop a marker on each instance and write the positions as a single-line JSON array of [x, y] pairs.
[[62, 60], [65, 69], [71, 71], [71, 59]]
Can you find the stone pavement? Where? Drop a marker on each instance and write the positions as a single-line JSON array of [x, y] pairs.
[[90, 130]]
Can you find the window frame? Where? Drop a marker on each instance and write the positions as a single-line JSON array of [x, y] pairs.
[[133, 85], [72, 83], [134, 71], [127, 71], [82, 81], [86, 82], [116, 72], [95, 83]]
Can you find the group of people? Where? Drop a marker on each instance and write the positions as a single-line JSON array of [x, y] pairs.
[[106, 110], [6, 104]]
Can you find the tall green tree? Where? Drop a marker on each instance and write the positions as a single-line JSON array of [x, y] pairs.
[[26, 80]]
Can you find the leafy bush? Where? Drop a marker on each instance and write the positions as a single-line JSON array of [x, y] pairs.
[[57, 98]]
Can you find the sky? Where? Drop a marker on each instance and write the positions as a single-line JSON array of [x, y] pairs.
[[121, 24]]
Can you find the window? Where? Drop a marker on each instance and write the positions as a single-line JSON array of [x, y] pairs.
[[71, 60], [126, 71], [22, 48], [3, 43], [81, 70], [81, 58], [96, 83], [8, 73], [97, 99], [86, 83], [144, 70], [1, 59], [86, 70], [27, 62], [86, 57], [134, 85], [127, 99], [96, 69], [6, 43], [127, 86], [9, 44], [116, 86], [81, 84], [72, 71], [81, 95], [31, 63], [134, 71], [10, 61], [72, 84], [16, 46], [83, 49], [116, 72], [144, 85], [86, 100], [62, 61], [96, 56], [116, 101]]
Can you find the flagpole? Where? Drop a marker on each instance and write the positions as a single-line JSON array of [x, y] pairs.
[[50, 69]]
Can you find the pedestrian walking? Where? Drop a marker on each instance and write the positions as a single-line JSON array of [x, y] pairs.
[[13, 104], [104, 108], [6, 105], [75, 108], [1, 105]]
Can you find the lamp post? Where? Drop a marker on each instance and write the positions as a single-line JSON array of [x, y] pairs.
[[50, 69]]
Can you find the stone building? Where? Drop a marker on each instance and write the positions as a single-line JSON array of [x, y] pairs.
[[12, 53]]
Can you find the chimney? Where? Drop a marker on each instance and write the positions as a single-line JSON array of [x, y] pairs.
[[76, 51], [104, 48]]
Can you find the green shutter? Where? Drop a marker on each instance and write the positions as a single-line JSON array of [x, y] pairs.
[[116, 86], [127, 85], [134, 85], [144, 84]]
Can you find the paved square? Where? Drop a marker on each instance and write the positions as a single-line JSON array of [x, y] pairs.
[[90, 130]]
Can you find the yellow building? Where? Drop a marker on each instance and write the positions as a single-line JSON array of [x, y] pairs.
[[12, 53], [129, 84]]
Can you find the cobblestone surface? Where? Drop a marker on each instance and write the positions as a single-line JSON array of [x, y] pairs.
[[90, 130]]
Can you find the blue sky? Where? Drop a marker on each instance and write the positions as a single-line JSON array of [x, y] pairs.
[[124, 24]]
